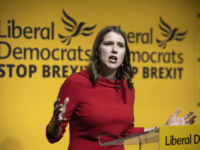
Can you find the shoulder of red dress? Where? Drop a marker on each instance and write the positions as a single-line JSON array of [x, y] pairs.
[[79, 78]]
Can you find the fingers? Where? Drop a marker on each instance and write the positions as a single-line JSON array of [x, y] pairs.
[[59, 115], [64, 119], [191, 120], [188, 115], [59, 110], [177, 112], [56, 109], [61, 107], [59, 120], [56, 102], [66, 101]]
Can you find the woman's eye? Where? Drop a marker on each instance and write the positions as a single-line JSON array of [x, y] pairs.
[[121, 45], [107, 43]]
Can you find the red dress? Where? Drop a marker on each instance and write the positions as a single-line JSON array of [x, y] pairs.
[[96, 110]]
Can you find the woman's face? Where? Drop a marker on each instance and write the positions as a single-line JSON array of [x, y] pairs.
[[112, 51]]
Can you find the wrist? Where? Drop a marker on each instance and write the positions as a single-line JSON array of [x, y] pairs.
[[54, 128], [55, 122]]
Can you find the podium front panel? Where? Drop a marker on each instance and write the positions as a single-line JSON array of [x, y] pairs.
[[179, 137]]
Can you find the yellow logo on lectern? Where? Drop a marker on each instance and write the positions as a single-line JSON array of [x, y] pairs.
[[180, 137]]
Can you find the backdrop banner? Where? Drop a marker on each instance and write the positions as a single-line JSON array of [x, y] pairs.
[[44, 42]]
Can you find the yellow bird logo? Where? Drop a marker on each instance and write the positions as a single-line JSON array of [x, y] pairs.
[[74, 28], [169, 34]]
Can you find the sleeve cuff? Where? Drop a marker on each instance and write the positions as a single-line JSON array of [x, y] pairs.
[[138, 130], [135, 130], [52, 139]]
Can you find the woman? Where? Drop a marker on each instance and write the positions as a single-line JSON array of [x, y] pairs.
[[100, 100]]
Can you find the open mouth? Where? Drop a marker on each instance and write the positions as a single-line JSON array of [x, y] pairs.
[[113, 59]]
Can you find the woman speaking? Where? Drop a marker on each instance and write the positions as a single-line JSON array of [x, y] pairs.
[[100, 100]]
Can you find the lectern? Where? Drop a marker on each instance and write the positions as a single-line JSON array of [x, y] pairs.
[[168, 137]]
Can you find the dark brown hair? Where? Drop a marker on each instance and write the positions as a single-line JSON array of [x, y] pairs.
[[123, 71]]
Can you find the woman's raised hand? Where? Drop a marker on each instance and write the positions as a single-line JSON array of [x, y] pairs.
[[59, 110], [185, 120]]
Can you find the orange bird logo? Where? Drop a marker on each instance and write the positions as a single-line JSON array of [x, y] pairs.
[[74, 28], [169, 34]]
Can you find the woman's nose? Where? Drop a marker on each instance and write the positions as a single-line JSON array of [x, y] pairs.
[[114, 48]]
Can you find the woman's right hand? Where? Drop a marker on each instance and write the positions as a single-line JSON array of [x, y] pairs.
[[59, 111]]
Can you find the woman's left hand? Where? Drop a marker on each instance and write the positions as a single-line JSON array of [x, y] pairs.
[[185, 120]]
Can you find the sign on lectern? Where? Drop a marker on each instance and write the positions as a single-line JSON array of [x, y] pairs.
[[168, 138]]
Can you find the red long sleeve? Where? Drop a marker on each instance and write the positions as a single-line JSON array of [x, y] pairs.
[[96, 110]]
